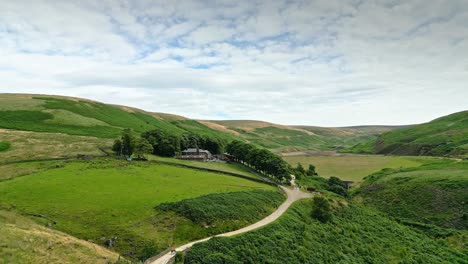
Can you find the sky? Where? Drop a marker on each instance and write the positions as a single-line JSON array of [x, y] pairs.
[[317, 62]]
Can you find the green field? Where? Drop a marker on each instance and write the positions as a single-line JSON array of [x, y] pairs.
[[355, 168], [355, 235], [227, 167], [104, 198]]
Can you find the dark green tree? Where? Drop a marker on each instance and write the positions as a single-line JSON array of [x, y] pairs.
[[321, 209], [311, 171], [143, 147]]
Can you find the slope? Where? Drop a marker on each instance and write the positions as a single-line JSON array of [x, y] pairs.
[[444, 136], [433, 194], [297, 138], [24, 241], [76, 116]]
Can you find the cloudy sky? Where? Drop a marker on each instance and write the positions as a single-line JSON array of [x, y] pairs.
[[317, 62]]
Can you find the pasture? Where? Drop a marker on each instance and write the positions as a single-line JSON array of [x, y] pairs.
[[355, 168], [227, 167], [102, 199]]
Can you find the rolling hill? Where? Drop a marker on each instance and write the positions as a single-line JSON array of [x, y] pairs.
[[87, 118], [76, 116], [282, 138], [444, 136]]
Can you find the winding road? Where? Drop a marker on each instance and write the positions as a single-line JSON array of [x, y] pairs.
[[293, 195]]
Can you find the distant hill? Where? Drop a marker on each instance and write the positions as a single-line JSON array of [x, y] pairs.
[[77, 116], [445, 136], [297, 138], [83, 117]]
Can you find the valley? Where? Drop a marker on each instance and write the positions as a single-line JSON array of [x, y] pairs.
[[67, 184]]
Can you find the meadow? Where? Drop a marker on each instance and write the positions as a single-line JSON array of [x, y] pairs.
[[227, 167], [105, 198], [355, 168], [26, 145]]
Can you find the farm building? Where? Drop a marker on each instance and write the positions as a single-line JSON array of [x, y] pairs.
[[196, 154]]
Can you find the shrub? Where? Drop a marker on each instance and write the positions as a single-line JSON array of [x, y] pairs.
[[321, 210]]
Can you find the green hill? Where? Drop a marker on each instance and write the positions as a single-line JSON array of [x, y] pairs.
[[75, 116], [445, 136], [297, 138], [434, 194]]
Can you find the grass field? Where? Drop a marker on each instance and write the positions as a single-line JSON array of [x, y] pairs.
[[27, 145], [24, 241], [106, 198], [355, 168], [227, 167]]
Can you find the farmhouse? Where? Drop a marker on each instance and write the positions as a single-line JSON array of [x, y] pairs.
[[196, 154]]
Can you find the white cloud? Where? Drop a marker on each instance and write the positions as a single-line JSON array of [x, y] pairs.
[[305, 62]]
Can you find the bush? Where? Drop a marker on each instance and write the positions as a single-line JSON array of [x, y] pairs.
[[322, 209]]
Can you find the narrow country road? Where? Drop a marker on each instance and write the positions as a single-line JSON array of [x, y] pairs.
[[293, 195]]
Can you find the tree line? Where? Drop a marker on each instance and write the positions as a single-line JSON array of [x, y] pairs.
[[262, 160], [161, 143]]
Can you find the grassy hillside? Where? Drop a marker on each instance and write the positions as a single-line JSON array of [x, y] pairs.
[[296, 138], [355, 235], [4, 145], [355, 168], [24, 241], [27, 145], [83, 117], [431, 194], [447, 135], [102, 199]]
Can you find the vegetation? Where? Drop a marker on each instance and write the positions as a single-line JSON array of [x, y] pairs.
[[433, 194], [321, 209], [445, 136], [111, 202], [262, 160], [354, 235], [24, 241], [355, 168], [4, 145], [238, 209]]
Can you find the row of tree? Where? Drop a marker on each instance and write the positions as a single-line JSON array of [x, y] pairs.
[[168, 145], [262, 160], [162, 143]]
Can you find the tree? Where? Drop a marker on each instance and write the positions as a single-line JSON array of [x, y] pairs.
[[300, 169], [143, 147], [337, 186], [311, 171], [322, 209], [128, 142], [117, 147]]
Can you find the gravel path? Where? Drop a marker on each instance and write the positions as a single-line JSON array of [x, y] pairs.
[[293, 194]]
